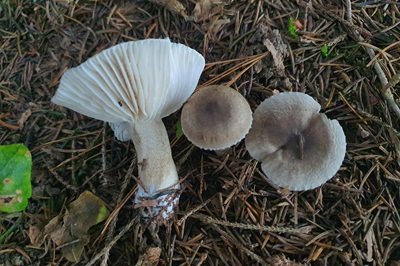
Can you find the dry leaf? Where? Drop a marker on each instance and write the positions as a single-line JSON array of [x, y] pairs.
[[24, 117], [150, 258], [173, 6], [202, 10], [70, 230], [57, 231], [35, 235], [215, 27], [73, 249], [298, 24], [278, 50], [273, 41]]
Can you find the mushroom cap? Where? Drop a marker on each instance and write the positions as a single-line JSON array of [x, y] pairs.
[[137, 80], [216, 117], [299, 148]]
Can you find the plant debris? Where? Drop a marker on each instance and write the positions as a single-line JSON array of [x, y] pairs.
[[353, 219], [173, 6], [70, 231], [204, 9], [150, 258]]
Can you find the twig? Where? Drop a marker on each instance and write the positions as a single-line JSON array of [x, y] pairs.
[[112, 242], [59, 179], [114, 218], [348, 11], [68, 244], [354, 32], [376, 120], [387, 93], [275, 229], [249, 61], [239, 245], [191, 212], [4, 124], [119, 205]]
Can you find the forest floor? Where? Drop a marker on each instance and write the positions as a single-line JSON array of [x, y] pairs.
[[345, 54]]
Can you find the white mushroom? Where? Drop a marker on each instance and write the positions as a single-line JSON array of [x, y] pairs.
[[216, 117], [299, 148], [132, 86]]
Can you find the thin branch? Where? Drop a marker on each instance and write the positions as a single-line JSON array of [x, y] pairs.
[[275, 229], [355, 33], [107, 248]]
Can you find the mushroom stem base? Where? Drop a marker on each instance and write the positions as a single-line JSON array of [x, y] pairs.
[[158, 178], [158, 206]]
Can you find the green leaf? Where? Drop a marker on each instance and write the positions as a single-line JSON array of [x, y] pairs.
[[325, 50], [103, 214], [292, 28], [15, 177], [178, 130]]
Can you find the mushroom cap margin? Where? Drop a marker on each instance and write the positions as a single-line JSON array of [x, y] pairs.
[[216, 117], [277, 121]]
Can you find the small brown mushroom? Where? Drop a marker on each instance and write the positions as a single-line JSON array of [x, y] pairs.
[[299, 148], [216, 117]]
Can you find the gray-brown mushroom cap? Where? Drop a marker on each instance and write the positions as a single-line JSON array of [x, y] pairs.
[[216, 117], [299, 148]]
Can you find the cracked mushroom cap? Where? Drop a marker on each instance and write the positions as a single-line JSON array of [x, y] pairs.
[[298, 147], [216, 117], [132, 81]]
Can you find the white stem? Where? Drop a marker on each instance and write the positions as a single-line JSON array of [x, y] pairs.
[[157, 170]]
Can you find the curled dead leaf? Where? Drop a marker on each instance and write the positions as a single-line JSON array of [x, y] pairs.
[[298, 24], [36, 235], [24, 117], [172, 5], [203, 9], [70, 230], [215, 27]]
